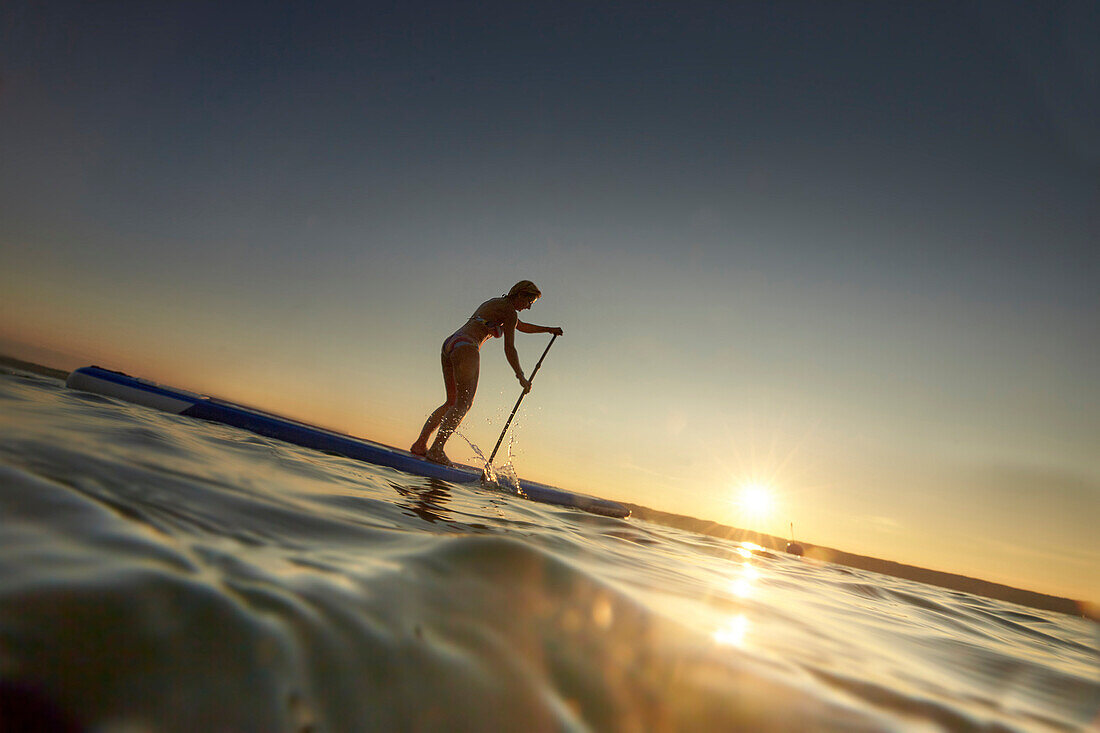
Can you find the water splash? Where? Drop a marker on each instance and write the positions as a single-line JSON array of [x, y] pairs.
[[503, 474], [506, 476], [481, 461], [506, 473]]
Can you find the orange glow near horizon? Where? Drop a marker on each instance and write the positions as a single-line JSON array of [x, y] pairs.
[[762, 475]]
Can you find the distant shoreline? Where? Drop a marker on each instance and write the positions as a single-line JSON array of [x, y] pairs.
[[28, 366], [950, 581]]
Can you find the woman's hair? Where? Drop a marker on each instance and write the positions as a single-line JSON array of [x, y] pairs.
[[524, 287]]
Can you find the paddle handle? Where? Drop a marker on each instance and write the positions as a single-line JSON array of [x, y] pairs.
[[521, 396]]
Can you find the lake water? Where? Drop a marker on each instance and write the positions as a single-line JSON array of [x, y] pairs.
[[164, 574]]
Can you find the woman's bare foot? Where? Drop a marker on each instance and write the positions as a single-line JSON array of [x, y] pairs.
[[419, 448], [438, 456]]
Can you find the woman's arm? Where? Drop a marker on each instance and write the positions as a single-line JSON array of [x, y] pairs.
[[532, 328], [510, 351]]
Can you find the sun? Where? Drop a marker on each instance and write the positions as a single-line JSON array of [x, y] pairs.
[[755, 501]]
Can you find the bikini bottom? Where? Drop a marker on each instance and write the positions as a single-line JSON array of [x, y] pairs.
[[455, 340]]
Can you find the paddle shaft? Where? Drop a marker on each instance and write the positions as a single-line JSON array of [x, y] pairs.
[[521, 396]]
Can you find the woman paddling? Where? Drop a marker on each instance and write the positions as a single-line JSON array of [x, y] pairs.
[[461, 359]]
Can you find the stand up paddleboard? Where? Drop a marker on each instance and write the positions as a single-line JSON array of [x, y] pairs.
[[181, 402]]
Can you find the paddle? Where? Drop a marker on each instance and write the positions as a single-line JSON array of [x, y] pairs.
[[521, 396]]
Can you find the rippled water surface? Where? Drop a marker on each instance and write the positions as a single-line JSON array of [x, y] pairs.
[[160, 573]]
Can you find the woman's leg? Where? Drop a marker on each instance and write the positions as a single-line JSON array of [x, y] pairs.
[[420, 447], [465, 362]]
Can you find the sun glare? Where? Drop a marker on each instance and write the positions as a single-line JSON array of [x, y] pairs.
[[756, 501]]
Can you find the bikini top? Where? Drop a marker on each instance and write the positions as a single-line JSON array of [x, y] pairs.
[[496, 330]]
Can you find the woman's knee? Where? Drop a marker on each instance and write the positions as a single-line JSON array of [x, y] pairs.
[[463, 402]]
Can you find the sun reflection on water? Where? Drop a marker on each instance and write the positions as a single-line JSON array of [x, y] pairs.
[[733, 632], [736, 627], [746, 549], [742, 585]]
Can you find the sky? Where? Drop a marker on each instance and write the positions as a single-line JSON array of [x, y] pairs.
[[846, 252]]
